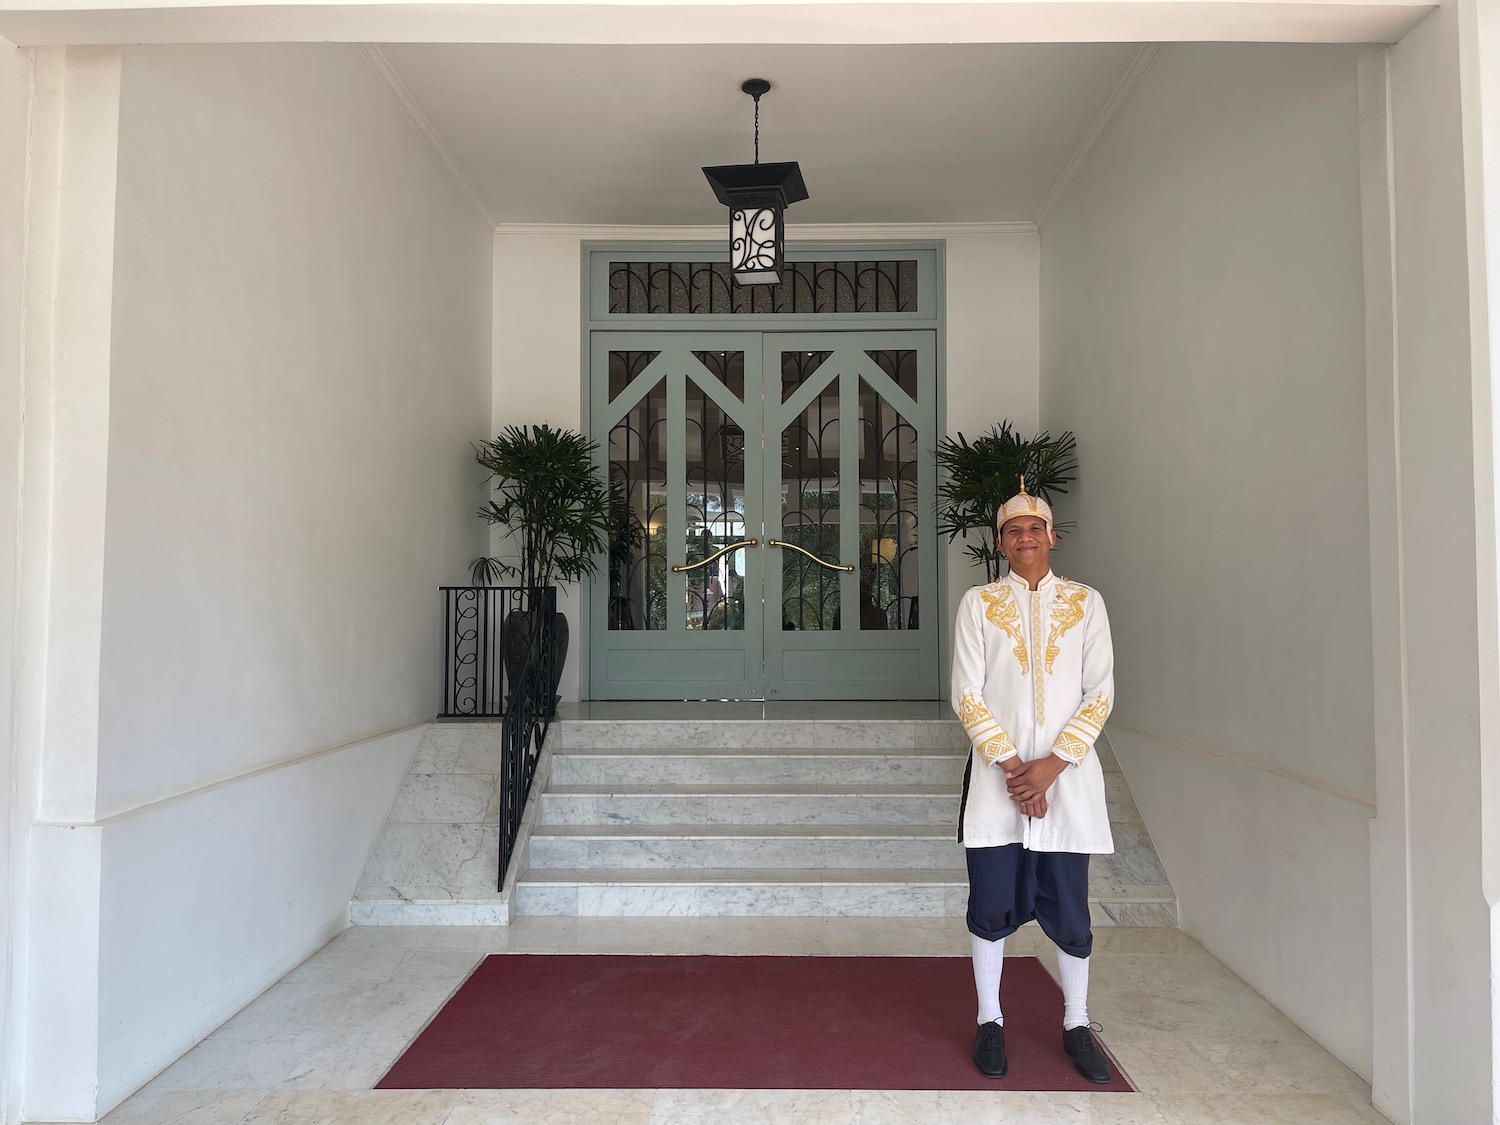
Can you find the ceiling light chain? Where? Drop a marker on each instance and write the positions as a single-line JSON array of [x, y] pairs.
[[757, 128]]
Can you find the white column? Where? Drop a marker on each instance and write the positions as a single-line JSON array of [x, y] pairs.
[[1479, 76], [69, 281], [1434, 1028], [15, 101]]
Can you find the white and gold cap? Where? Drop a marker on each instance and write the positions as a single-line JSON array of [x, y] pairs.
[[1024, 504]]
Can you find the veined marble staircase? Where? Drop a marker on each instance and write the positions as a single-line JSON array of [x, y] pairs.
[[782, 817], [652, 816]]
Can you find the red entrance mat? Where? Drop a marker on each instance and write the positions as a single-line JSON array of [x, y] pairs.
[[525, 1021]]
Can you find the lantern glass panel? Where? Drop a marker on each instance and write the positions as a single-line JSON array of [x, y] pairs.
[[756, 245]]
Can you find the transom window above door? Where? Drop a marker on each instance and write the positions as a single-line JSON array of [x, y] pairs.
[[678, 283], [809, 288]]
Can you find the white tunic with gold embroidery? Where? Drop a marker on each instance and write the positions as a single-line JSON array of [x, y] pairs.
[[1034, 674]]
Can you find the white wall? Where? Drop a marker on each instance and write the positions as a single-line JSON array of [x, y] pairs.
[[1202, 332], [298, 332], [992, 344], [535, 368], [15, 99], [993, 367]]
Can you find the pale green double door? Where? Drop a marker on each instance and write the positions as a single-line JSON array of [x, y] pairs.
[[773, 515]]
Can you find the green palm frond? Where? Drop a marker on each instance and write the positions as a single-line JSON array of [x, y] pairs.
[[977, 477], [551, 501]]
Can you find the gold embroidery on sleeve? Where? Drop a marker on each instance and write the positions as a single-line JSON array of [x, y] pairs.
[[1094, 714], [981, 725], [1067, 611], [1074, 749], [996, 748], [1001, 611], [971, 710]]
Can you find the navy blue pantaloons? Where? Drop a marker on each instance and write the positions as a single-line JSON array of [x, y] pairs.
[[1009, 886]]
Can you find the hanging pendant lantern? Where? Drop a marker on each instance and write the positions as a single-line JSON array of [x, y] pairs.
[[757, 196]]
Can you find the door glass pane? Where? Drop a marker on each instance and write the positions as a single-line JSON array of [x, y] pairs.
[[809, 499], [888, 558], [728, 368], [715, 509], [901, 366], [625, 368], [638, 510]]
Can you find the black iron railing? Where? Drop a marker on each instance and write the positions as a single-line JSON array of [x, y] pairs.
[[485, 631], [529, 710], [500, 661]]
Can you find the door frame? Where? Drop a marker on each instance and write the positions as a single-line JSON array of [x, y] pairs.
[[931, 314]]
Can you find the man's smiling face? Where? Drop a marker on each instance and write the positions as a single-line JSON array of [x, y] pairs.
[[1025, 542]]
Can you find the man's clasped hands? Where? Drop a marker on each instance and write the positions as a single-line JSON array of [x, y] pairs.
[[1028, 782]]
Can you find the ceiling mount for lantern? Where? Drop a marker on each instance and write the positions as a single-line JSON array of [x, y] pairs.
[[757, 196]]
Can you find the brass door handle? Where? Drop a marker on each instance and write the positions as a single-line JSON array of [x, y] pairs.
[[717, 555], [809, 554]]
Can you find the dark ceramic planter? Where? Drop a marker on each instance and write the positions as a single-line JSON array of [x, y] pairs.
[[518, 639]]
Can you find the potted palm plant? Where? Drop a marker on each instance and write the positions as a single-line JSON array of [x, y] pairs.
[[554, 508], [978, 476]]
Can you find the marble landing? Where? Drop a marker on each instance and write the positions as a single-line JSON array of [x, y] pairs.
[[1201, 1046]]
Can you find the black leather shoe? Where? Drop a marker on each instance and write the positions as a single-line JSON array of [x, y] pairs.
[[1088, 1059], [989, 1050]]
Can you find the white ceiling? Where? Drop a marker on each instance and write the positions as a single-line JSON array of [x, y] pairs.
[[884, 134]]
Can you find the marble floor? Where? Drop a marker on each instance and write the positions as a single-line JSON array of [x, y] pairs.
[[1200, 1045]]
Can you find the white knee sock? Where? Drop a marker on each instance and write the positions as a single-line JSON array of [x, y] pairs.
[[989, 959], [1074, 972]]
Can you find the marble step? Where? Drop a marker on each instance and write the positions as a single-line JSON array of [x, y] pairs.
[[430, 906], [628, 847], [625, 847], [731, 766], [827, 892], [755, 734], [749, 804], [742, 891]]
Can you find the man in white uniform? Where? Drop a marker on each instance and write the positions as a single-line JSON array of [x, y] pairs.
[[1033, 681]]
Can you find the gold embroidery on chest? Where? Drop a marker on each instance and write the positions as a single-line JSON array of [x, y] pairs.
[[1039, 690], [1067, 611], [1001, 611]]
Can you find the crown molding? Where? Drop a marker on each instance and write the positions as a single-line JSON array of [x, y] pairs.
[[393, 83], [1133, 75], [794, 231]]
